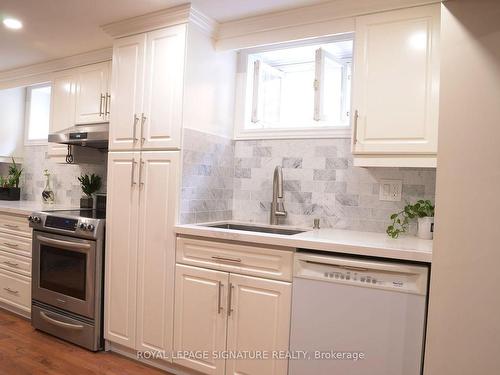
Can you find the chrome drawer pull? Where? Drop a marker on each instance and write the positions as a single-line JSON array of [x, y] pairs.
[[58, 323], [219, 299], [229, 300], [11, 291], [10, 244], [11, 226], [10, 264], [223, 259]]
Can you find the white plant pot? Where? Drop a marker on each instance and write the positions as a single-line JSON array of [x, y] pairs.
[[426, 228]]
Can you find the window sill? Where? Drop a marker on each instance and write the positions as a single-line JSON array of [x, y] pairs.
[[293, 133]]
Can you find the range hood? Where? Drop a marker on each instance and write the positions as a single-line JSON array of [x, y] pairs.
[[94, 136]]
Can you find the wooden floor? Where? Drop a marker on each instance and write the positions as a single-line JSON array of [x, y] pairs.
[[25, 351]]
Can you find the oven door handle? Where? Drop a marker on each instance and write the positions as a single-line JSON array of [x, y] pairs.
[[58, 323], [67, 244]]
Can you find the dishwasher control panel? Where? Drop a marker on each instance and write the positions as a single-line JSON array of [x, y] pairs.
[[365, 273]]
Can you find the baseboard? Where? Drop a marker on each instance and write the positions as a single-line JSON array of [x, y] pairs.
[[15, 310], [156, 363]]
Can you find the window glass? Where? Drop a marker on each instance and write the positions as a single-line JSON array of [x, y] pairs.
[[301, 86], [38, 102]]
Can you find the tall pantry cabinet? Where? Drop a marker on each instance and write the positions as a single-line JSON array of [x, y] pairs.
[[147, 95]]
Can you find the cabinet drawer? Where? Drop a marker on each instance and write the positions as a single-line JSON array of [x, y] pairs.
[[15, 224], [15, 244], [244, 259], [15, 263], [15, 290]]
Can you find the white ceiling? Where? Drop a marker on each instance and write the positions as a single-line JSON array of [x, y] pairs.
[[59, 28]]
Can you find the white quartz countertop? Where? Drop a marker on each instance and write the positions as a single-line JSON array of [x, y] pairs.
[[27, 207], [409, 248]]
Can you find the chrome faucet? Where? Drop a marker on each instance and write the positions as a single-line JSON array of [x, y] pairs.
[[277, 206]]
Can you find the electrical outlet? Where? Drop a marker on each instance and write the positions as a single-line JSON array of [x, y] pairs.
[[390, 190]]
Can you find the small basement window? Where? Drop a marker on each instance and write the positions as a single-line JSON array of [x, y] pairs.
[[298, 89], [37, 114]]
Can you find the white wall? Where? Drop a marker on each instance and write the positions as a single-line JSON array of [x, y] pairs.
[[209, 86], [12, 105], [464, 317]]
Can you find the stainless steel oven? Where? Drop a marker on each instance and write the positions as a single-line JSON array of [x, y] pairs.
[[67, 270], [64, 272]]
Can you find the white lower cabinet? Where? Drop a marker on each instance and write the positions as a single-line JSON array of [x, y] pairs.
[[217, 312], [200, 316], [259, 321], [140, 249]]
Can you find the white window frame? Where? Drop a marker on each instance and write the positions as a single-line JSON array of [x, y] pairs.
[[36, 142], [245, 103]]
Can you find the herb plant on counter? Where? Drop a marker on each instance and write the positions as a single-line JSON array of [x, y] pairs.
[[401, 220], [90, 184]]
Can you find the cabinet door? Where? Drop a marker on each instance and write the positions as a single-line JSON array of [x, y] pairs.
[[396, 82], [200, 317], [126, 92], [62, 107], [161, 126], [91, 93], [158, 174], [259, 320], [121, 248]]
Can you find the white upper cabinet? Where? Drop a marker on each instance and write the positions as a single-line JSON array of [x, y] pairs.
[[62, 107], [163, 88], [147, 90], [396, 87], [92, 94], [126, 92]]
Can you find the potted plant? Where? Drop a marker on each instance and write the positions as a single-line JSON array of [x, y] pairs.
[[9, 185], [423, 211], [90, 185]]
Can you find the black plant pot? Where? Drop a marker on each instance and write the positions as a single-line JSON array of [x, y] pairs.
[[10, 194], [86, 202]]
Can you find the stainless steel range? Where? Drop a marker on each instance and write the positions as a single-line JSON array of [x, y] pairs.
[[67, 285]]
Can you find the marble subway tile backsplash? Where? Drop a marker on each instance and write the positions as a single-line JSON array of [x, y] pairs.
[[207, 177], [320, 181], [63, 177]]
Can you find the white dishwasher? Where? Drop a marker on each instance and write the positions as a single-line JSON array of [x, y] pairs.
[[357, 317]]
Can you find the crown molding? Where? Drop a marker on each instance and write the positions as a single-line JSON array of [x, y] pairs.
[[238, 34], [163, 18], [25, 72]]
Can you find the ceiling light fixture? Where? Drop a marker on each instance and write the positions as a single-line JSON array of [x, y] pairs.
[[12, 23]]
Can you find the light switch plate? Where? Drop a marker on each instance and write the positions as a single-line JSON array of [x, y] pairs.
[[390, 190]]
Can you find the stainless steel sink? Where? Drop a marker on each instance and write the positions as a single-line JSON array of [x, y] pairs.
[[256, 228]]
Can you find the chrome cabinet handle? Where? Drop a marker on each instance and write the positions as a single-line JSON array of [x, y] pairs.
[[224, 259], [58, 323], [11, 226], [219, 298], [229, 300], [101, 102], [11, 290], [136, 121], [355, 128], [108, 104], [10, 264], [132, 182], [14, 245], [143, 121], [141, 183]]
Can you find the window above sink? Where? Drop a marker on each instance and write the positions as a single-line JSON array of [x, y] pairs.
[[296, 89]]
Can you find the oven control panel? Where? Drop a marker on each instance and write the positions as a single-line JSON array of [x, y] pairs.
[[77, 226], [61, 223]]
